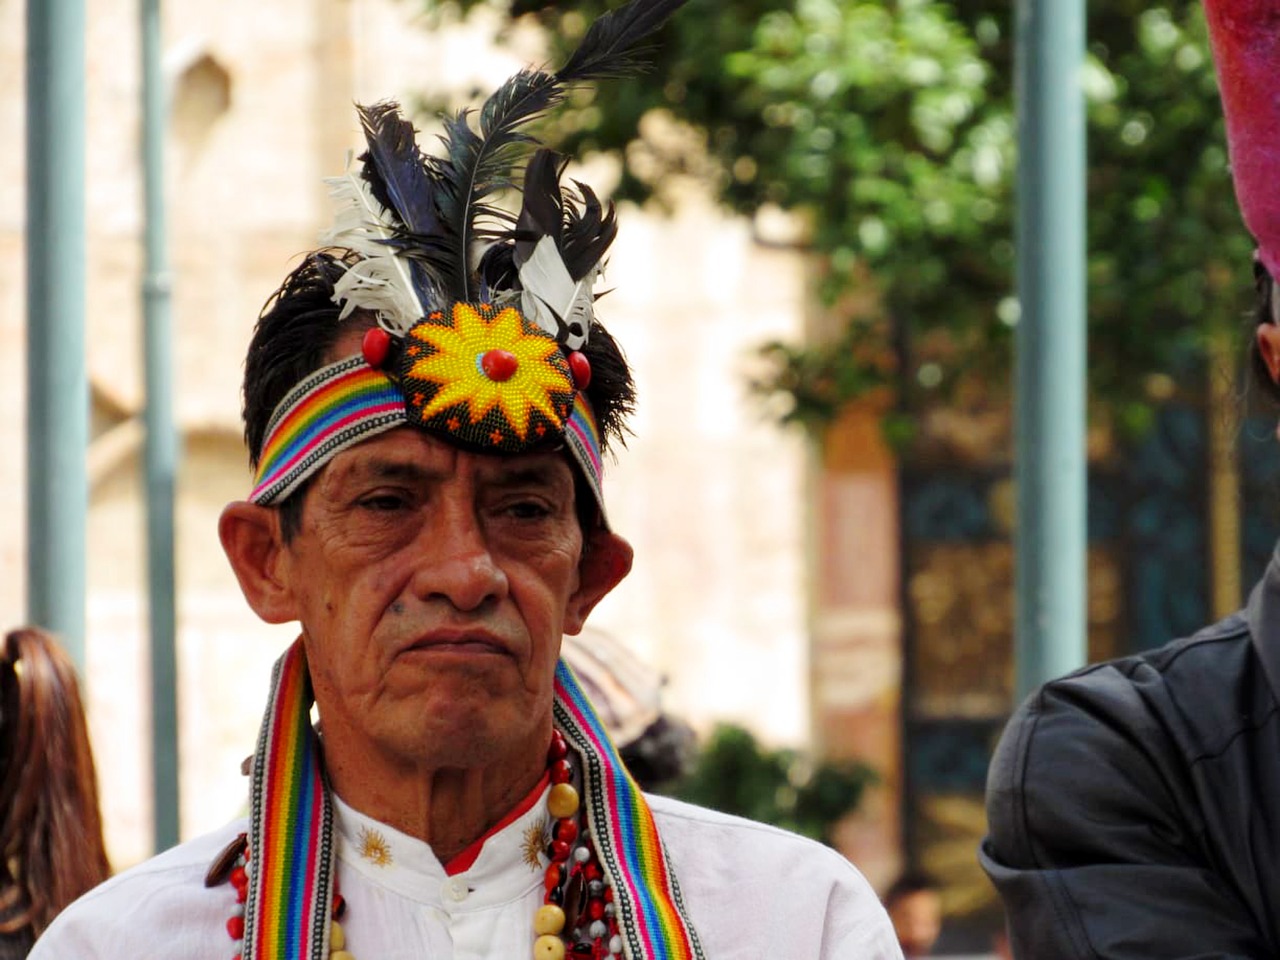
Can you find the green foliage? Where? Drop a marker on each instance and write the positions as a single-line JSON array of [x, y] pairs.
[[890, 126], [736, 775]]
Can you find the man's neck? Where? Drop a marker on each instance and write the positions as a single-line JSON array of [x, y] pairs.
[[449, 808]]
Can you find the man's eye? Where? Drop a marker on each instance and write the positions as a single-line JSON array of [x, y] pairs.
[[528, 510], [384, 502]]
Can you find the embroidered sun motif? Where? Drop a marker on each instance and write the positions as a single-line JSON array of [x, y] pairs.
[[535, 841], [487, 376], [374, 848]]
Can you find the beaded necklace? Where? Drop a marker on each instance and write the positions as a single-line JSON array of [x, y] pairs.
[[608, 879], [577, 918]]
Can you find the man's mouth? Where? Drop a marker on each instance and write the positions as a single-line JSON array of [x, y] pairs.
[[470, 643]]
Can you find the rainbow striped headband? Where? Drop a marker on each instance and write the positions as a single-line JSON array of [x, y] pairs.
[[349, 401], [289, 903]]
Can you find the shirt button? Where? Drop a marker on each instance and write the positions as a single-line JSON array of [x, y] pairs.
[[456, 890]]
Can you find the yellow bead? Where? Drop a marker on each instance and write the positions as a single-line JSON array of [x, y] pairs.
[[562, 801], [548, 919], [341, 955], [548, 948], [337, 939]]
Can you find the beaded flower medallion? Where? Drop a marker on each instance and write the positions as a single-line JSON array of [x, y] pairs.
[[486, 377]]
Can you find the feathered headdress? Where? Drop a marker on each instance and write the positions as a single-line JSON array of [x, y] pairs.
[[497, 351], [1245, 37]]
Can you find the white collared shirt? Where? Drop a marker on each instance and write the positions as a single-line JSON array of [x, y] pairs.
[[751, 891]]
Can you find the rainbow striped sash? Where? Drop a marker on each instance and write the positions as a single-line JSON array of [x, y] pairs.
[[651, 914], [290, 898], [286, 913]]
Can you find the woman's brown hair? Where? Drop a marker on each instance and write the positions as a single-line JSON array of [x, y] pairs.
[[50, 825]]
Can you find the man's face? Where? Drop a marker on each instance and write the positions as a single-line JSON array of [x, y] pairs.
[[917, 920], [433, 587]]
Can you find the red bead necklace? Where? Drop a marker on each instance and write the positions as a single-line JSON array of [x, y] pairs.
[[577, 918]]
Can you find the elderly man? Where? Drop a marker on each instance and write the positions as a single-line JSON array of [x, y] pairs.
[[427, 432]]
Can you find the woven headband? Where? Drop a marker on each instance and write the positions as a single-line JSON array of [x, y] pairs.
[[349, 401]]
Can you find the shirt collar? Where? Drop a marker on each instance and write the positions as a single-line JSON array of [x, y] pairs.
[[506, 862]]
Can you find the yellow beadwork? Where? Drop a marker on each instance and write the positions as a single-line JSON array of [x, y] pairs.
[[452, 363], [337, 939], [548, 920], [562, 801], [548, 947]]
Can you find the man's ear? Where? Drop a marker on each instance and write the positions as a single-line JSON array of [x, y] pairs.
[[1268, 337], [606, 559], [251, 539]]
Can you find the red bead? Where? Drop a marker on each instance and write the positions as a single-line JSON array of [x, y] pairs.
[[608, 894], [239, 879], [499, 365], [559, 851], [558, 749], [566, 830], [235, 927], [580, 369], [561, 771], [555, 873], [595, 909], [375, 346], [591, 871]]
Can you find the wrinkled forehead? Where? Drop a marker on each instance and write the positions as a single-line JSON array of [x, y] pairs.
[[409, 456]]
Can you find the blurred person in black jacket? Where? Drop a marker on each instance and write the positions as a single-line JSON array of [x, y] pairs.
[[1132, 804]]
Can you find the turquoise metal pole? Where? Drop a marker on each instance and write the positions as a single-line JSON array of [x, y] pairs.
[[1050, 381], [57, 382], [161, 449]]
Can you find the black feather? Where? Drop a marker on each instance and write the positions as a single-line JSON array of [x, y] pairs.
[[407, 184], [541, 213], [587, 233], [395, 169], [479, 164], [609, 48]]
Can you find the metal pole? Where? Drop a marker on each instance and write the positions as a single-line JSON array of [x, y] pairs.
[[1050, 401], [57, 382], [161, 449]]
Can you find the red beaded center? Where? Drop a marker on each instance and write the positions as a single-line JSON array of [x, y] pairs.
[[499, 365]]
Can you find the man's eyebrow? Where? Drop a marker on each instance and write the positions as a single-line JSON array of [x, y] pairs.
[[530, 474], [378, 469]]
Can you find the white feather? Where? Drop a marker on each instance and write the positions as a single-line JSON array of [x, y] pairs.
[[551, 299], [381, 281]]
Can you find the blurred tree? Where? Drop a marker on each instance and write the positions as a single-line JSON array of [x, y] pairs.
[[889, 127], [734, 774]]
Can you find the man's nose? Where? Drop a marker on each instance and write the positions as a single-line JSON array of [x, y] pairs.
[[454, 560]]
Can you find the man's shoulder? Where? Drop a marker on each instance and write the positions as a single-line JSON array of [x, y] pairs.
[[1160, 692], [754, 844], [731, 869], [162, 900]]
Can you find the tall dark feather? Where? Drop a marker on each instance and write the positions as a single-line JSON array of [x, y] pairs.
[[480, 164], [407, 184], [609, 48], [541, 213], [587, 233]]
